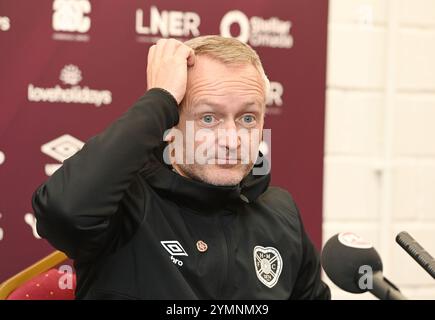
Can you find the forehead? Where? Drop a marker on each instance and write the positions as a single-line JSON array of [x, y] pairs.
[[212, 79]]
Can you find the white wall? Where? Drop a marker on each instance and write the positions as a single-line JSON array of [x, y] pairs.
[[380, 132]]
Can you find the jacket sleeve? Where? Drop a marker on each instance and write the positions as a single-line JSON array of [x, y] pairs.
[[309, 285], [79, 208]]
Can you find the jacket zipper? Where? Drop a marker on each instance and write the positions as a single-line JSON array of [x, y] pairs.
[[225, 260]]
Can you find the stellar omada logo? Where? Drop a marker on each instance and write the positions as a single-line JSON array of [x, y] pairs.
[[258, 31]]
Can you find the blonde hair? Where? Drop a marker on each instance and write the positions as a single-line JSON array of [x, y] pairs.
[[228, 51]]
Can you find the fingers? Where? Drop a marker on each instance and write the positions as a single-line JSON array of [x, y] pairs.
[[168, 61], [172, 47], [187, 53], [191, 57], [166, 47], [151, 54]]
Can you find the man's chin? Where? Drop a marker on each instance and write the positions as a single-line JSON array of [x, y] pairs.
[[224, 174], [216, 174]]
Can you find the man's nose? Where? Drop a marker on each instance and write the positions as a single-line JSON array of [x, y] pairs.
[[227, 135]]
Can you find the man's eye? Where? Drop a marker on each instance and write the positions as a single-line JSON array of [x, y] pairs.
[[248, 119], [208, 119]]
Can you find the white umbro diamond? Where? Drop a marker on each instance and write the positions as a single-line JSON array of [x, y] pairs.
[[174, 248]]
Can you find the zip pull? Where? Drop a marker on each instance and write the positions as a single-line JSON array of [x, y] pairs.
[[244, 198]]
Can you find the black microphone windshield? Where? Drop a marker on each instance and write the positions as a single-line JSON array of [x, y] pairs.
[[344, 256], [417, 252]]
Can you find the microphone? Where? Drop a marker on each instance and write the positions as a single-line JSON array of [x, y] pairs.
[[355, 266], [417, 252]]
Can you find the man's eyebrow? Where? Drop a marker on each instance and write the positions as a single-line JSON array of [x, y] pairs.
[[203, 106], [207, 102], [252, 103], [252, 106]]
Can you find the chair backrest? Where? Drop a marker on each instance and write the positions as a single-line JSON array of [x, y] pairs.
[[41, 281]]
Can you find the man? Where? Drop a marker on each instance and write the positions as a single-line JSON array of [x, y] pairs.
[[196, 223]]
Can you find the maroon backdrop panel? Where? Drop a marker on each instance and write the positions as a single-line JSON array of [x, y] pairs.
[[68, 68]]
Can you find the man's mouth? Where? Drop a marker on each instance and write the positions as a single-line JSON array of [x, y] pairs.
[[226, 162], [227, 159]]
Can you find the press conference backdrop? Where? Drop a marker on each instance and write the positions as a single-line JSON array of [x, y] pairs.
[[68, 68]]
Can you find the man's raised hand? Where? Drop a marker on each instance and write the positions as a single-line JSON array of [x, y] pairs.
[[167, 66]]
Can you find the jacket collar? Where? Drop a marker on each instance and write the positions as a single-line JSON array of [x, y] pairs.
[[199, 195]]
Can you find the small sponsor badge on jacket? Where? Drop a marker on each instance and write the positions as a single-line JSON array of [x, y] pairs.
[[268, 265]]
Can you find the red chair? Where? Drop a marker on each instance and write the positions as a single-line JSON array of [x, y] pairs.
[[42, 281]]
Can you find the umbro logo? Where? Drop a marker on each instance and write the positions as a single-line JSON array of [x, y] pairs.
[[60, 149], [175, 249]]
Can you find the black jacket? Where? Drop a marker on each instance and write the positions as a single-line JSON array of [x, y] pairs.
[[132, 225]]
